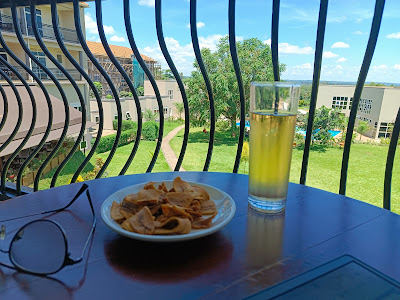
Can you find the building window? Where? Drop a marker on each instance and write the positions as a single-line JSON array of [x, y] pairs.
[[128, 115], [38, 21], [165, 110], [156, 110], [171, 94], [115, 117], [35, 68], [97, 119], [96, 77]]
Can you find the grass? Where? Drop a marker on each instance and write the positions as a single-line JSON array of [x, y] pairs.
[[139, 164], [365, 174]]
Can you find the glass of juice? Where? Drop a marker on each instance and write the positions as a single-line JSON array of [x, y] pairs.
[[273, 111]]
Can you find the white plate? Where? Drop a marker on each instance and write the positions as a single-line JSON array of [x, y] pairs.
[[225, 205]]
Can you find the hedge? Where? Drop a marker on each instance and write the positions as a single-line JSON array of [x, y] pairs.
[[107, 142], [126, 125], [150, 131]]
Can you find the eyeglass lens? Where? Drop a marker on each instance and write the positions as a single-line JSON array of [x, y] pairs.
[[39, 247]]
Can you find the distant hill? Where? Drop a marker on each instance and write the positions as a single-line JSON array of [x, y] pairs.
[[339, 82]]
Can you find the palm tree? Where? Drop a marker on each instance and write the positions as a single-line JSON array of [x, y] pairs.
[[179, 108], [362, 127]]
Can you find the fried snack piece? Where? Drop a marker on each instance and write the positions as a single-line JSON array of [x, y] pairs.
[[201, 223], [174, 225], [197, 192], [163, 187], [181, 186], [142, 222], [116, 213], [170, 210], [149, 186], [208, 207], [195, 205], [179, 199]]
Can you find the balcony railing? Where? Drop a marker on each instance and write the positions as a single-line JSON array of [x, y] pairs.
[[40, 73], [46, 31], [61, 35]]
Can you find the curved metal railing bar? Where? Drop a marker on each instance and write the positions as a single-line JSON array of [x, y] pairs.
[[387, 188], [15, 131], [99, 17], [82, 41], [60, 89], [128, 27], [274, 38], [47, 97], [69, 77], [64, 49], [236, 65], [373, 37], [164, 50], [323, 10], [30, 157], [5, 108], [197, 52]]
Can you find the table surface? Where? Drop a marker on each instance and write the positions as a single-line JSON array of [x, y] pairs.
[[253, 252]]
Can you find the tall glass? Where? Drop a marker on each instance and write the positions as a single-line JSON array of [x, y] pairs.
[[273, 110]]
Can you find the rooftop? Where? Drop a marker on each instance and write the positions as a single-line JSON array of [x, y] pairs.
[[118, 51]]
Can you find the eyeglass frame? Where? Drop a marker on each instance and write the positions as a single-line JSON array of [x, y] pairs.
[[67, 259]]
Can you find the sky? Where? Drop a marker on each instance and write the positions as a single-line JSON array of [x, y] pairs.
[[346, 36]]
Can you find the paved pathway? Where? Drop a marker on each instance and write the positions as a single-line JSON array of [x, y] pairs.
[[169, 154]]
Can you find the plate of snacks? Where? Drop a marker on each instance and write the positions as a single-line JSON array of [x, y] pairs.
[[168, 211]]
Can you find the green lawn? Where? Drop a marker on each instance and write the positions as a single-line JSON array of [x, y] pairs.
[[139, 164], [365, 175]]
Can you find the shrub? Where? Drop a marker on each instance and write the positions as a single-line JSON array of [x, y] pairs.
[[99, 89], [140, 91], [150, 131], [223, 125], [124, 94], [107, 142], [126, 125], [109, 97]]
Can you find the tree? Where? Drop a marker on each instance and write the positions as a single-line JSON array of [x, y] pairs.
[[325, 119], [167, 74], [125, 94], [362, 127], [99, 89], [256, 65], [149, 115], [179, 108]]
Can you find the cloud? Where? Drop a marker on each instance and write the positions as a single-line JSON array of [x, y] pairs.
[[329, 54], [108, 29], [358, 32], [291, 49], [379, 68], [119, 39], [339, 67], [150, 3], [342, 59], [340, 45], [303, 71], [198, 25], [396, 67], [394, 35], [210, 41], [91, 26]]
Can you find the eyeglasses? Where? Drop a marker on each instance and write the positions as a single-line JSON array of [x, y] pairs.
[[40, 247]]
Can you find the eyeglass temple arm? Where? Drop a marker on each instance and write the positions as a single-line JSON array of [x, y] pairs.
[[82, 189], [79, 259]]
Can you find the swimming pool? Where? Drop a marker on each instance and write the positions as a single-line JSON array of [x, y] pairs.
[[332, 132]]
